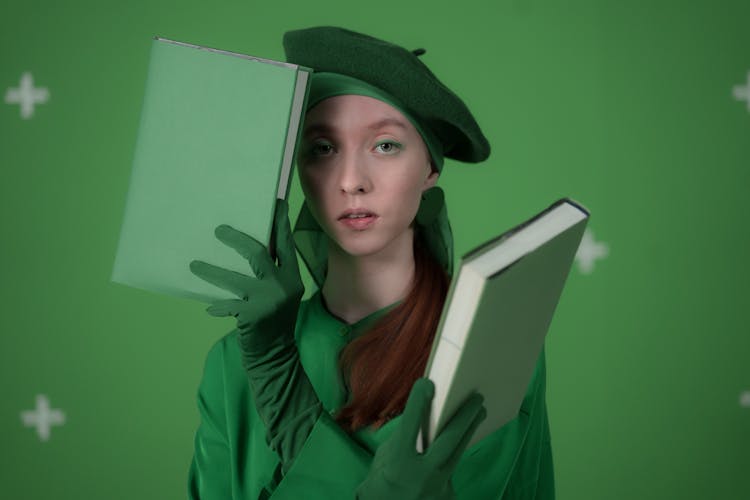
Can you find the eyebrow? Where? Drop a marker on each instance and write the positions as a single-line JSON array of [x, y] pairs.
[[385, 122], [318, 128], [324, 128]]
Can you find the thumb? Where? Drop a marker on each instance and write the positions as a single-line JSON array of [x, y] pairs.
[[416, 411]]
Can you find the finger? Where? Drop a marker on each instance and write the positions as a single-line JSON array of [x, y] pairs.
[[232, 307], [283, 240], [246, 312], [415, 412], [240, 285], [247, 246], [451, 462], [457, 433]]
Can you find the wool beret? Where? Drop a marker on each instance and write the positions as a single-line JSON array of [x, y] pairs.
[[400, 73], [324, 85]]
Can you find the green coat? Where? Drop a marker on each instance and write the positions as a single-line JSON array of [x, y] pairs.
[[232, 461]]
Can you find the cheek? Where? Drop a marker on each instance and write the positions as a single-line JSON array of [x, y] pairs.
[[408, 196], [311, 186], [313, 189]]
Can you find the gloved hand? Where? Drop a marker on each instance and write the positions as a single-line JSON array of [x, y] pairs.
[[398, 471], [266, 313]]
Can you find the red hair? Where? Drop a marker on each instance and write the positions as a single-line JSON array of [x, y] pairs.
[[381, 366]]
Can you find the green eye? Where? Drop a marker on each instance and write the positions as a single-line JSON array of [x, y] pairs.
[[388, 147]]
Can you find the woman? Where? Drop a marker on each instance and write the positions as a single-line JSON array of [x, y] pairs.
[[322, 398]]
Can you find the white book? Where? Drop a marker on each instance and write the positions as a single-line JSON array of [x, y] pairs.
[[496, 315]]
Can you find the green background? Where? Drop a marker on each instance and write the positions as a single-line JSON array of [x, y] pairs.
[[628, 107]]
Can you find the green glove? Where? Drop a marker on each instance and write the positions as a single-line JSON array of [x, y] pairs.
[[399, 471], [266, 313]]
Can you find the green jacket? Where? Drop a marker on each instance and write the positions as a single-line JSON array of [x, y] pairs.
[[232, 461]]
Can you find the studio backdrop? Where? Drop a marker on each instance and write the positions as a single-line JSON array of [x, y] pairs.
[[639, 110]]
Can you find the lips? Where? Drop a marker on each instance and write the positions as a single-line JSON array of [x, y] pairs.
[[357, 218], [357, 213]]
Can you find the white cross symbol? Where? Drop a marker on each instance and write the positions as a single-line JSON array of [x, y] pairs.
[[743, 93], [588, 251], [745, 399], [42, 418], [27, 95]]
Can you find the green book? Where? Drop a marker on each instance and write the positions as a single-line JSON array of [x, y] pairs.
[[215, 146], [497, 313]]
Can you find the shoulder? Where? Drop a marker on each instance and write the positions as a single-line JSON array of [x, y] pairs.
[[224, 348], [224, 358], [225, 353], [223, 367]]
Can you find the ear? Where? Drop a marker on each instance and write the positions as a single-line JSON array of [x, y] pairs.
[[431, 180]]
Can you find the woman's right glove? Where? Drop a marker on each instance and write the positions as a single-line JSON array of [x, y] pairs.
[[398, 471], [266, 311]]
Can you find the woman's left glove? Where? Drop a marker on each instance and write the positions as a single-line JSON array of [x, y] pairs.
[[266, 312], [399, 472]]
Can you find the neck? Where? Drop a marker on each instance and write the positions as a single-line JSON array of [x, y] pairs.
[[357, 286]]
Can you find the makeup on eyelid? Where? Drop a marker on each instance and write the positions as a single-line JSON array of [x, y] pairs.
[[364, 209]]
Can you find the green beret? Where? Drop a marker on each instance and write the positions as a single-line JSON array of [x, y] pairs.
[[324, 85], [398, 72]]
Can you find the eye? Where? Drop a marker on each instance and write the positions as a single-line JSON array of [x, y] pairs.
[[321, 148], [388, 147]]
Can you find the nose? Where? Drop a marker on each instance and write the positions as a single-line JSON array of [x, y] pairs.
[[353, 175]]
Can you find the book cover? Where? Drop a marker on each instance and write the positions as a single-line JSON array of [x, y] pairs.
[[215, 146], [497, 313]]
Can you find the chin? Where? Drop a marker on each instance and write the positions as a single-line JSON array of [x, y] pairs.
[[367, 244], [360, 248]]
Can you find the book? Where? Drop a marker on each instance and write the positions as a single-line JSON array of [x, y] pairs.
[[496, 315], [215, 145]]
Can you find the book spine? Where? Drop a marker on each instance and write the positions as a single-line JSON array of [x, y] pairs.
[[293, 132], [458, 314]]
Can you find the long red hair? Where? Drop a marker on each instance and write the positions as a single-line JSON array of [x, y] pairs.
[[381, 366]]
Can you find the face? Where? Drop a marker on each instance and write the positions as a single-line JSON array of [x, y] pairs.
[[363, 167]]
